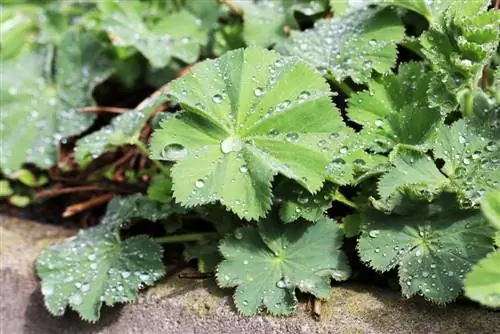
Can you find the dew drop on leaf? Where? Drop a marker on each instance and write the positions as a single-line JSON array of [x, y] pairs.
[[217, 98], [199, 184], [174, 152], [374, 233], [243, 169], [292, 136], [231, 144], [258, 91]]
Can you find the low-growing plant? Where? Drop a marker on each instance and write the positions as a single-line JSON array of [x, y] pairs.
[[380, 123]]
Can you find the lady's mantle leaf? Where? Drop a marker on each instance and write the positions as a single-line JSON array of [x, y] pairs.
[[349, 46], [431, 9], [471, 154], [396, 110], [434, 247], [124, 129], [38, 112], [490, 205], [482, 284], [247, 116], [296, 202], [460, 44], [97, 267], [264, 21], [414, 172], [176, 35], [266, 264]]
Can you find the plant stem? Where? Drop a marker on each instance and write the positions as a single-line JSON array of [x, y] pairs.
[[342, 199], [158, 164], [343, 86], [469, 103], [185, 237]]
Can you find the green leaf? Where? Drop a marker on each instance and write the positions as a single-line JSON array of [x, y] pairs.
[[266, 264], [395, 110], [414, 172], [246, 118], [459, 45], [229, 38], [160, 189], [490, 205], [482, 284], [124, 129], [19, 200], [471, 153], [5, 189], [351, 225], [176, 35], [207, 255], [97, 267], [434, 245], [349, 46], [264, 21], [296, 202], [431, 9], [38, 112]]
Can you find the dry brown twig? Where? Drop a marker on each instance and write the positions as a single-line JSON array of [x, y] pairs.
[[82, 206], [98, 109]]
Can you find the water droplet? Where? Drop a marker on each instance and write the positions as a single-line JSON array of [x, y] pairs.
[[174, 152], [303, 199], [217, 98], [199, 184], [304, 95], [284, 283], [125, 274], [379, 123], [75, 299], [243, 169], [47, 290], [292, 136], [238, 235], [374, 233], [425, 274], [231, 144], [258, 91]]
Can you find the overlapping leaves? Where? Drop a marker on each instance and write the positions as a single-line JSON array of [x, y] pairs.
[[268, 263], [265, 20], [96, 267], [433, 245], [176, 35], [349, 46], [395, 110], [124, 129], [38, 110], [247, 116], [459, 45]]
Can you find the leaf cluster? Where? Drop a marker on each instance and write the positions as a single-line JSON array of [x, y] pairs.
[[276, 130]]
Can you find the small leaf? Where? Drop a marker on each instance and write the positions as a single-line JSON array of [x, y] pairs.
[[266, 264], [349, 46], [5, 189], [247, 117], [395, 109], [482, 284], [490, 205], [176, 35], [124, 129], [264, 21], [97, 267], [471, 152], [413, 172], [431, 9], [434, 245], [296, 202], [459, 45]]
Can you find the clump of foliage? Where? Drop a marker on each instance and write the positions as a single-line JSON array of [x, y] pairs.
[[374, 120]]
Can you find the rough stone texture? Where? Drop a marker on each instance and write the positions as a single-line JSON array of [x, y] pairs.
[[196, 306]]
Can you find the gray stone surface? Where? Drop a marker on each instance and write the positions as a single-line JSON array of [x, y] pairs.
[[196, 306]]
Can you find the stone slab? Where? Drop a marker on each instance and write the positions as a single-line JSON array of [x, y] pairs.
[[197, 306]]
